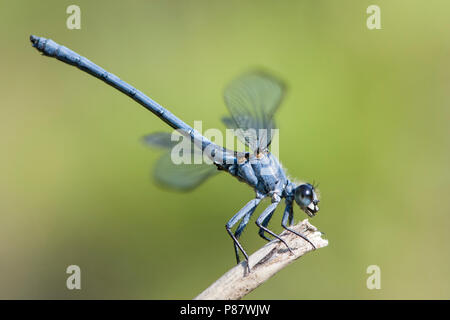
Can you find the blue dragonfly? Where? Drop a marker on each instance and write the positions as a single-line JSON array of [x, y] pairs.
[[252, 99]]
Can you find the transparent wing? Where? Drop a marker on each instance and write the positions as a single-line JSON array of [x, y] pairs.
[[229, 123], [247, 137], [181, 176], [160, 140], [252, 100]]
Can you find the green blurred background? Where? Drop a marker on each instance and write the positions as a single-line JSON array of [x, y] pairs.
[[366, 115]]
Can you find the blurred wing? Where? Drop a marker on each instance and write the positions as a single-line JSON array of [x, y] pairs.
[[183, 176], [160, 140], [252, 100], [247, 137], [229, 123]]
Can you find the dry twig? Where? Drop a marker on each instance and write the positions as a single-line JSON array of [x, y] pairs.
[[264, 263]]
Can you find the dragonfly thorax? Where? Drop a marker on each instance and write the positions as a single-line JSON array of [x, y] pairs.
[[263, 172]]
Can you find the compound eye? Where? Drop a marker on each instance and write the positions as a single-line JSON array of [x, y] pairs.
[[305, 191], [304, 194]]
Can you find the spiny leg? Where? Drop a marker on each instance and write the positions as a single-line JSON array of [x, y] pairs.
[[269, 210], [239, 231], [264, 224], [249, 207], [288, 212], [291, 216]]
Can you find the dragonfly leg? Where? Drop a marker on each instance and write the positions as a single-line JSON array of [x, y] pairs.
[[239, 231], [288, 215], [288, 212], [247, 209], [268, 211], [264, 224], [291, 217]]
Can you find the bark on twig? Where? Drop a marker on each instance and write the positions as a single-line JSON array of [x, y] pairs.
[[264, 263]]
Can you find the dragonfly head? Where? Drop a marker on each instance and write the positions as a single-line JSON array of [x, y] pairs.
[[306, 198]]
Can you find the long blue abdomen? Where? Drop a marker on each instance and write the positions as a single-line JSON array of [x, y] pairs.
[[50, 48]]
